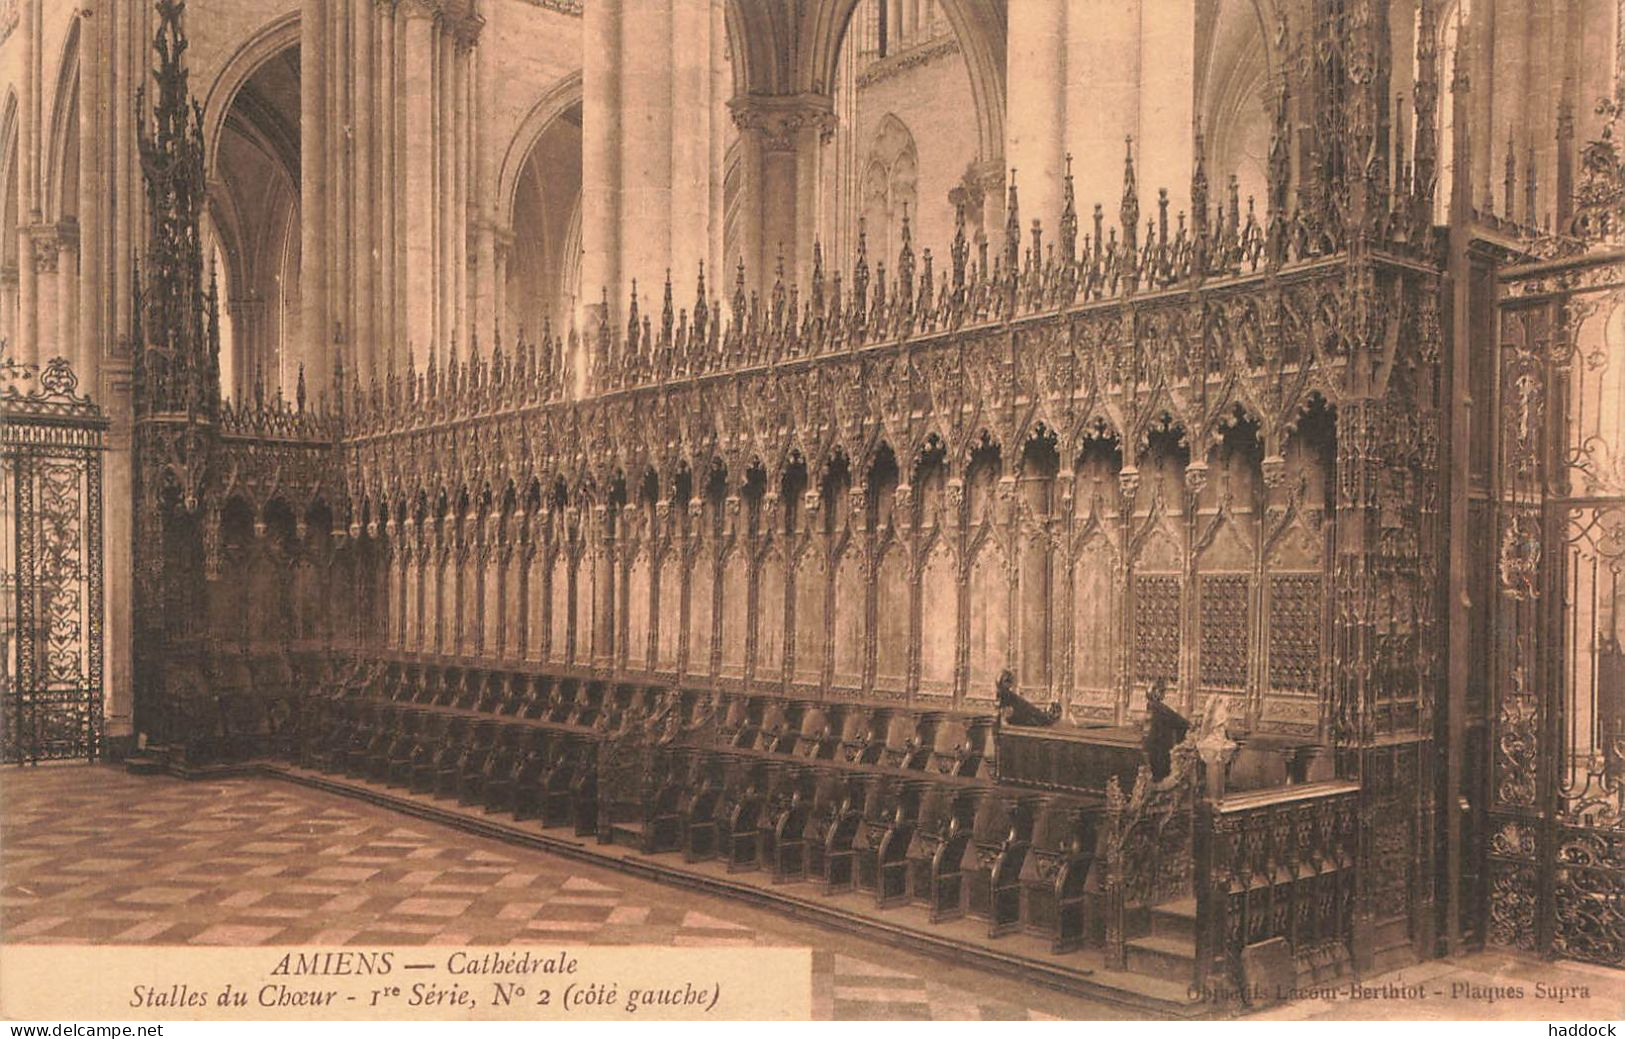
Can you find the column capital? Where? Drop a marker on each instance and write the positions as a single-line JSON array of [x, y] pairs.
[[777, 119], [48, 241], [416, 9], [465, 28]]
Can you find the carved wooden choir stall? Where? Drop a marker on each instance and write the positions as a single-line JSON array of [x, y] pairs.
[[743, 605]]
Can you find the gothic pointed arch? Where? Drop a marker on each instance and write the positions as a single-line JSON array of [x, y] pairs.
[[8, 218], [1235, 61], [979, 26], [538, 215], [62, 169], [251, 128], [274, 39]]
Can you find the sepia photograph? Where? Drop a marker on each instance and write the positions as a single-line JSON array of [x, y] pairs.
[[812, 510]]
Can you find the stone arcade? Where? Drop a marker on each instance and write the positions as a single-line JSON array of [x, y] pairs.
[[688, 484]]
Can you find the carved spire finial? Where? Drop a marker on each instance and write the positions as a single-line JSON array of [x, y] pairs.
[[1069, 216]]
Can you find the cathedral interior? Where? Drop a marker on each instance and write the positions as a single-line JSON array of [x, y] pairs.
[[1128, 495]]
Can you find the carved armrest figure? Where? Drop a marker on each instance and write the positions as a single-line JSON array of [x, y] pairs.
[[1015, 709]]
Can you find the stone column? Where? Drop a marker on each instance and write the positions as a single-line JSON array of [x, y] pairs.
[[47, 336], [648, 134], [1040, 85], [487, 318], [416, 169], [92, 182], [600, 164], [364, 247], [1102, 100], [1164, 140], [782, 137], [692, 215], [501, 249], [248, 331], [315, 328], [721, 90], [440, 155], [8, 303], [462, 43], [340, 261], [65, 292], [388, 328], [26, 349]]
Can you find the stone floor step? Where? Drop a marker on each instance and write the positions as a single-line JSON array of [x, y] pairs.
[[1173, 959], [1175, 920], [145, 764]]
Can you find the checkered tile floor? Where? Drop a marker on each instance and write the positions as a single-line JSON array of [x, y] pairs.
[[94, 855]]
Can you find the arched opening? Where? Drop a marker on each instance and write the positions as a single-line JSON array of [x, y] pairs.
[[902, 87], [1450, 26], [1233, 82], [8, 223], [542, 283], [251, 226]]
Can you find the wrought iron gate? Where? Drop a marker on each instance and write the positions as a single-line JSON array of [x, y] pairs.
[[1556, 854], [51, 443]]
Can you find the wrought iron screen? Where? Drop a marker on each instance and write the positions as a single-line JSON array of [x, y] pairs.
[[51, 443], [1556, 855]]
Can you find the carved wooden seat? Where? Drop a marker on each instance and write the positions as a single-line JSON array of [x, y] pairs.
[[364, 728], [732, 714], [470, 758], [404, 756], [837, 855], [891, 853], [500, 782], [750, 718], [492, 692], [863, 738], [399, 735], [470, 690], [915, 752], [961, 746], [820, 735], [518, 695], [742, 820], [519, 793], [1000, 838], [775, 724], [829, 793], [505, 751], [789, 810], [881, 798], [700, 813], [449, 689], [589, 703], [663, 817], [386, 730], [442, 756], [1055, 875], [584, 790], [396, 682], [949, 862], [614, 708], [416, 685], [325, 732], [560, 702], [556, 805]]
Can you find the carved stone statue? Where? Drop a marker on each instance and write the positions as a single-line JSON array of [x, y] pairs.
[[1014, 709]]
